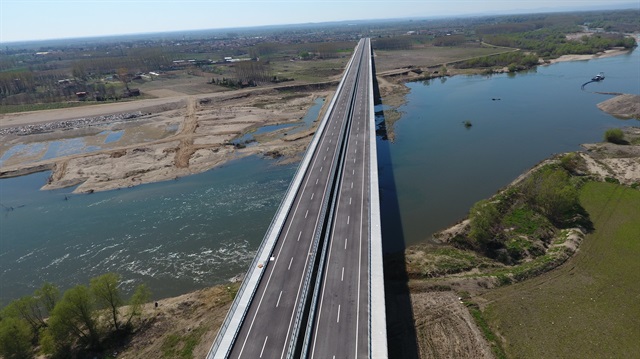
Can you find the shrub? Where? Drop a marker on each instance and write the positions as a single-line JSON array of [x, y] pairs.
[[550, 191], [485, 218], [614, 135]]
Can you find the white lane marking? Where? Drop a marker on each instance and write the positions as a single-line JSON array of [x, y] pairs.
[[324, 286], [317, 179], [325, 158], [348, 217], [337, 319], [306, 214], [299, 234], [305, 263], [342, 276], [356, 151], [353, 172], [279, 296], [321, 169], [312, 195], [346, 240], [351, 184], [360, 256], [350, 198], [291, 261], [263, 345], [354, 160], [327, 149]]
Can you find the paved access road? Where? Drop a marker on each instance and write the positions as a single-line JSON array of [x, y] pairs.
[[269, 323]]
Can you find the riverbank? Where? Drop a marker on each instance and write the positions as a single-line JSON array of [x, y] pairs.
[[469, 277], [158, 143], [599, 55]]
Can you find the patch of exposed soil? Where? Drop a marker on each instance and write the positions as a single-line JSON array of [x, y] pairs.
[[623, 106], [197, 315], [445, 329], [182, 138]]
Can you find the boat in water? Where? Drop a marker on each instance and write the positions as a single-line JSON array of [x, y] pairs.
[[598, 77]]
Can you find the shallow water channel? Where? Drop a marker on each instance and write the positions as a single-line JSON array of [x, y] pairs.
[[198, 231]]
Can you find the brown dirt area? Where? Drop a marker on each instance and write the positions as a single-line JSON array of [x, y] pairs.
[[177, 137], [445, 329], [434, 293], [604, 54], [166, 328], [623, 106]]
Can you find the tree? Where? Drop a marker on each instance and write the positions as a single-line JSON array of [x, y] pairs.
[[27, 308], [552, 193], [15, 339], [74, 318], [48, 295], [139, 297], [107, 295], [123, 75]]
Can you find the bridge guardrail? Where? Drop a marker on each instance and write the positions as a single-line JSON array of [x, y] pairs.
[[336, 171], [377, 313], [270, 239]]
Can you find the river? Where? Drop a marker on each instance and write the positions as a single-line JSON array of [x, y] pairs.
[[201, 230]]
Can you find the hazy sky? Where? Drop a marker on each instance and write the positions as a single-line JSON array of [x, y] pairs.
[[50, 19]]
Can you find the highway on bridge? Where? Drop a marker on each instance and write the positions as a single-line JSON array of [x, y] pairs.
[[272, 320], [341, 327]]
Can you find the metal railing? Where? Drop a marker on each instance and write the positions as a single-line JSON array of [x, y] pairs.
[[270, 236]]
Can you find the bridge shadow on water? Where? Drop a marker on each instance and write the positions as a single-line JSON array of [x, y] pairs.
[[401, 333]]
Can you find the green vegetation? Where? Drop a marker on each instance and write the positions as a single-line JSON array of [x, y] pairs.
[[85, 319], [181, 346], [552, 43], [614, 135], [591, 301], [478, 317], [515, 60], [518, 224], [572, 163]]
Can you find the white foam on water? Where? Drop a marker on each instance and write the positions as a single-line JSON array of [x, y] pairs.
[[57, 261]]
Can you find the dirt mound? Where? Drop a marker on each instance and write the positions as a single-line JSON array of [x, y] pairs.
[[624, 106]]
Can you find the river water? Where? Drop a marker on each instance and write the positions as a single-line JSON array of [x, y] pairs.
[[201, 230], [440, 168]]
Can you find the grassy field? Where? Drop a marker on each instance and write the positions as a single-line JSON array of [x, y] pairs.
[[430, 56], [589, 307]]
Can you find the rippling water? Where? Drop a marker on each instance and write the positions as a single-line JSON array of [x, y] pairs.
[[201, 230], [175, 236]]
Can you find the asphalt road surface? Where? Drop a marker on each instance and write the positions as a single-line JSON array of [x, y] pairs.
[[341, 328], [269, 323]]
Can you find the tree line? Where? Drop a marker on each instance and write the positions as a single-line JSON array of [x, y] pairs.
[[550, 43], [80, 321], [514, 60]]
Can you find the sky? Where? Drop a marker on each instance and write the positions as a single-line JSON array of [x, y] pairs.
[[23, 20]]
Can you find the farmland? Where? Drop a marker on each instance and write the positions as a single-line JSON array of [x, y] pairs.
[[589, 306]]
